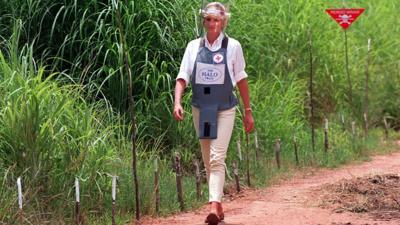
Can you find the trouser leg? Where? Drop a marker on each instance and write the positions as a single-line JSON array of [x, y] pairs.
[[214, 151]]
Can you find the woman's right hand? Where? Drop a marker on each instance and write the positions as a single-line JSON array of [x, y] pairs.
[[178, 109], [178, 112]]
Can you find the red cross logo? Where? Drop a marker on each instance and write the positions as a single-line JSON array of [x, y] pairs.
[[218, 58]]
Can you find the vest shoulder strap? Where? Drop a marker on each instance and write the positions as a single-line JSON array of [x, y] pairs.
[[225, 42], [202, 42]]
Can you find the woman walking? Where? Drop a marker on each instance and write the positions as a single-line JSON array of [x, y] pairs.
[[213, 65]]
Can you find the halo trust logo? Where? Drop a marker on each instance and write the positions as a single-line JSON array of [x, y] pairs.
[[210, 75]]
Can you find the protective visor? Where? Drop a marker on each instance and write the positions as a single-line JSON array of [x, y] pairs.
[[213, 12]]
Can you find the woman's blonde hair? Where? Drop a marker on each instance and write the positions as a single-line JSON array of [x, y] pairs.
[[216, 9]]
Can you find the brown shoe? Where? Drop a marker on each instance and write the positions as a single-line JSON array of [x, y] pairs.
[[221, 218], [212, 219]]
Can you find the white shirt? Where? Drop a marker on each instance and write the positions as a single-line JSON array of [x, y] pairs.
[[235, 59]]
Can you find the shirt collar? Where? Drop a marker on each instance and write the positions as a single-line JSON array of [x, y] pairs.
[[217, 43]]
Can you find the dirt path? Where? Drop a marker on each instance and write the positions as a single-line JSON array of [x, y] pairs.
[[294, 201]]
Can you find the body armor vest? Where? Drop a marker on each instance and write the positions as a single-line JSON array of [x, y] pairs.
[[212, 87]]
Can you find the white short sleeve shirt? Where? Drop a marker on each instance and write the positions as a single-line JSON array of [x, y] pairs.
[[235, 59]]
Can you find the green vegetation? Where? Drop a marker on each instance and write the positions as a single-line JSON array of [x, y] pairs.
[[63, 105]]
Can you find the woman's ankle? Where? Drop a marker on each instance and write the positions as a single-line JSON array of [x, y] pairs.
[[215, 207]]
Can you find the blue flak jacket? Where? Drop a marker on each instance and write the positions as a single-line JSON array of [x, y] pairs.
[[212, 87]]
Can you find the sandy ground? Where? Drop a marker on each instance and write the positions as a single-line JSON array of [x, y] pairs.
[[294, 201]]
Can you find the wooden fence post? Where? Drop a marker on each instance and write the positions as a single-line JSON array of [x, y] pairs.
[[236, 173], [326, 138], [248, 160], [386, 128], [295, 145], [238, 145], [278, 152], [113, 197], [365, 125], [198, 178], [343, 122], [311, 89], [179, 187], [157, 185], [366, 100]]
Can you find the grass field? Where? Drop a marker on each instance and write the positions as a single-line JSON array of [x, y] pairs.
[[64, 103]]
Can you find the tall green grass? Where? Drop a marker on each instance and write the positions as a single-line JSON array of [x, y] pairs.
[[50, 134], [275, 40], [81, 40]]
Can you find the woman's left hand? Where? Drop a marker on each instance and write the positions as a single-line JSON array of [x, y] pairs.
[[248, 121]]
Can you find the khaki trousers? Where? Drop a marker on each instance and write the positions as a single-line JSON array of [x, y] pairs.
[[214, 151]]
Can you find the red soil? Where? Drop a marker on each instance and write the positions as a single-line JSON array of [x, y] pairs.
[[297, 200]]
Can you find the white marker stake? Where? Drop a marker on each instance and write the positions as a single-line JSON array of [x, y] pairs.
[[77, 203], [114, 188], [19, 192], [113, 196], [369, 44], [353, 128], [77, 190], [326, 124]]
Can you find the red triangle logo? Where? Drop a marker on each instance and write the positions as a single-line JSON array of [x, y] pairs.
[[344, 17]]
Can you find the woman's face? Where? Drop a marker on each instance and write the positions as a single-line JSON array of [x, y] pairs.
[[213, 24]]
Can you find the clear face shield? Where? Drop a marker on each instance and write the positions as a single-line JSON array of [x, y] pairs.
[[214, 12]]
